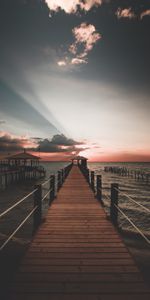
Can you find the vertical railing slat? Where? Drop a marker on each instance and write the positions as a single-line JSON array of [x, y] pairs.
[[37, 217], [114, 204]]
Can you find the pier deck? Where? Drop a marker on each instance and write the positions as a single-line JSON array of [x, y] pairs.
[[77, 253]]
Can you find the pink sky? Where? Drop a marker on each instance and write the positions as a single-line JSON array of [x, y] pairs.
[[94, 151], [125, 156]]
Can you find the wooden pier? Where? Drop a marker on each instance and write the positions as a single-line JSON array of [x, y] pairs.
[[77, 253], [20, 167]]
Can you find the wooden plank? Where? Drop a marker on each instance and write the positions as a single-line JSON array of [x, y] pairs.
[[77, 254], [79, 250], [77, 287], [79, 296], [82, 277], [78, 262], [78, 269], [88, 255]]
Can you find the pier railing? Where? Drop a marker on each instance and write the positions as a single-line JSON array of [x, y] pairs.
[[54, 183], [95, 182]]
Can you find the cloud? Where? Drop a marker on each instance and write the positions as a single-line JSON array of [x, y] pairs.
[[78, 61], [130, 14], [71, 6], [59, 143], [85, 37], [61, 63], [9, 142], [61, 139], [86, 34], [125, 13], [145, 13]]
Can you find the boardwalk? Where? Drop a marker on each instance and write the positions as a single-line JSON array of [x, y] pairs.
[[77, 253]]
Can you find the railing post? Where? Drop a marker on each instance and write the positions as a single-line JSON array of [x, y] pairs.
[[65, 172], [6, 180], [92, 180], [52, 189], [58, 180], [62, 174], [99, 187], [37, 217], [87, 175], [114, 204]]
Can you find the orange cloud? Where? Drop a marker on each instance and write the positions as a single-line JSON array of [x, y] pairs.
[[125, 13], [61, 63], [145, 13], [78, 61], [71, 6], [9, 142], [85, 35]]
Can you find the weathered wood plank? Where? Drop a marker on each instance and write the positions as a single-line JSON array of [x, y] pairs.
[[80, 277], [78, 269], [86, 296], [81, 287]]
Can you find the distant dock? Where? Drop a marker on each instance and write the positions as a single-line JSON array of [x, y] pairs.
[[20, 167], [136, 174]]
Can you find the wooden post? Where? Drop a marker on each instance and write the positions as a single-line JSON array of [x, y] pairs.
[[6, 180], [114, 204], [92, 180], [87, 175], [37, 217], [52, 189], [62, 176], [58, 181], [66, 172], [99, 187]]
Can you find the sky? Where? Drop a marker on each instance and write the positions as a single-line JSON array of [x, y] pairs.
[[75, 78]]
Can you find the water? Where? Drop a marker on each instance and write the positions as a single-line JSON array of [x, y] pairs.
[[53, 167], [138, 190]]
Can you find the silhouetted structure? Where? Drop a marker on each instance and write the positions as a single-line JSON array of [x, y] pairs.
[[80, 161], [19, 167], [23, 159]]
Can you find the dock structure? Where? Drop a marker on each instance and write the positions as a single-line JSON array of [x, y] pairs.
[[77, 253], [20, 167]]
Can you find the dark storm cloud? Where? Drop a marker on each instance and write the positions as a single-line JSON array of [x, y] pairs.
[[60, 139], [8, 143], [58, 143]]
